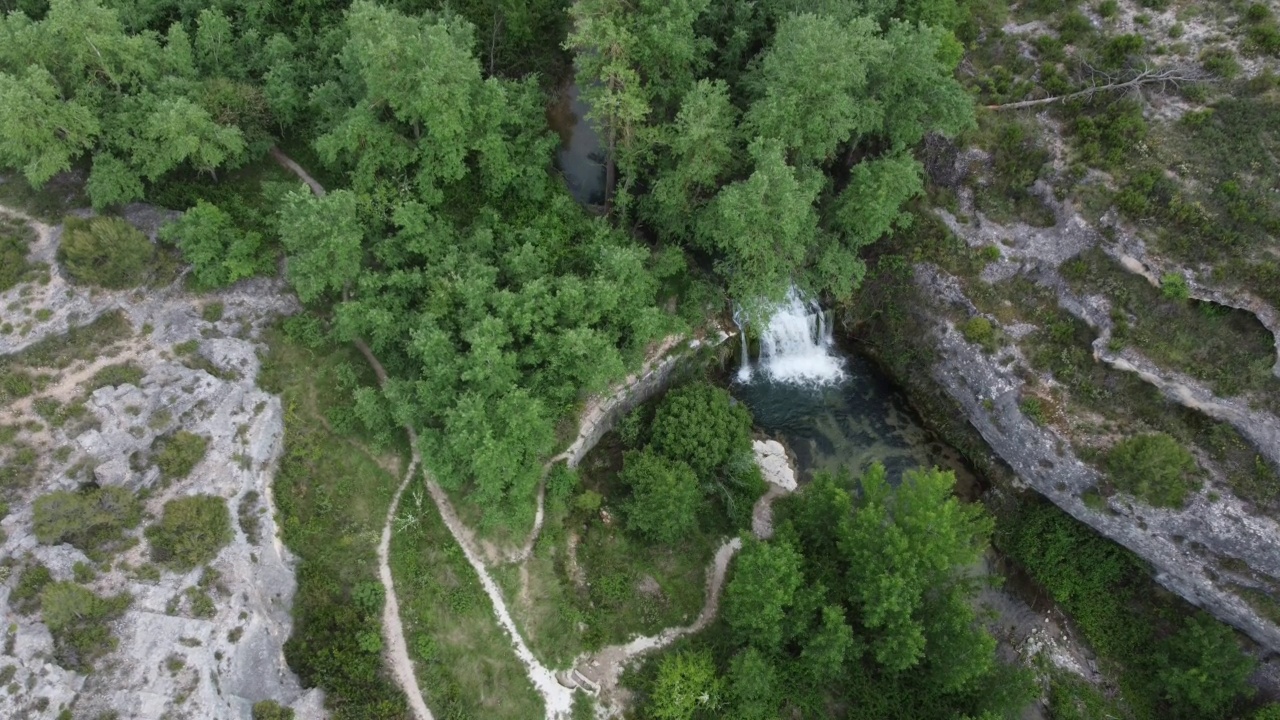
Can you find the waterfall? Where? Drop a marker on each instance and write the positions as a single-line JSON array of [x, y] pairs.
[[744, 368], [796, 345]]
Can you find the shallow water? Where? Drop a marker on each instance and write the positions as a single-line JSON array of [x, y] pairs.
[[849, 425], [581, 157]]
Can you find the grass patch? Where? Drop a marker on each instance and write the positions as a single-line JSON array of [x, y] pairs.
[[80, 622], [1224, 347], [86, 343], [1153, 467], [464, 660], [332, 497]]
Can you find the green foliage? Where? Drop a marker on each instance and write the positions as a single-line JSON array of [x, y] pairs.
[[25, 596], [190, 532], [78, 620], [126, 373], [1206, 671], [105, 251], [271, 710], [179, 453], [978, 330], [322, 237], [1174, 287], [220, 253], [686, 684], [701, 425], [14, 241], [665, 496], [1163, 651], [91, 520], [764, 585], [1153, 467]]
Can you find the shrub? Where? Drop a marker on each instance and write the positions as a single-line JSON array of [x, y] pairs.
[[126, 373], [978, 330], [1073, 27], [78, 620], [1120, 48], [13, 258], [190, 532], [88, 520], [25, 597], [212, 312], [105, 251], [1108, 8], [702, 426], [180, 453], [1257, 12], [665, 496], [1153, 467], [1173, 286], [1263, 38], [271, 710]]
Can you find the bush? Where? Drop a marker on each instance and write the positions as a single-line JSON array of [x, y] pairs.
[[25, 597], [191, 531], [1173, 286], [978, 330], [271, 710], [105, 251], [1108, 8], [88, 520], [180, 453], [13, 258], [702, 426], [1119, 49], [78, 620], [126, 373], [1153, 467], [665, 496]]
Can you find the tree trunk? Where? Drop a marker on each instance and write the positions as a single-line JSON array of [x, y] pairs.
[[610, 173]]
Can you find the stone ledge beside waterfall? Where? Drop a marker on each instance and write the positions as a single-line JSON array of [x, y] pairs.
[[1183, 546]]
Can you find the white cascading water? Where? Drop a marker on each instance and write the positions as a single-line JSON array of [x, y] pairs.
[[796, 345]]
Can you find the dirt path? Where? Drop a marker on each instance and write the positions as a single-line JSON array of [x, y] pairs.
[[604, 667], [601, 670], [287, 163], [392, 631], [594, 413]]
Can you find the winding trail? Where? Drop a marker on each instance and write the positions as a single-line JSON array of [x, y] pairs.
[[392, 630]]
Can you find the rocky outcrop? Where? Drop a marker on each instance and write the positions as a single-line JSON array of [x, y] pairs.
[[1184, 546], [173, 657]]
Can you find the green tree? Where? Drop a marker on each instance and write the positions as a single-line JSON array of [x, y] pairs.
[[190, 532], [829, 646], [901, 545], [701, 425], [763, 226], [323, 238], [810, 85], [686, 684], [752, 687], [765, 580], [701, 144], [1153, 467], [220, 253], [41, 132], [665, 496], [1205, 671]]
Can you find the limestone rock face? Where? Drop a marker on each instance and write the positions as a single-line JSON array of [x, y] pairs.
[[771, 456], [175, 656]]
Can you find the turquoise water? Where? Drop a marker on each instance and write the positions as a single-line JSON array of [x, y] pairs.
[[849, 425]]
